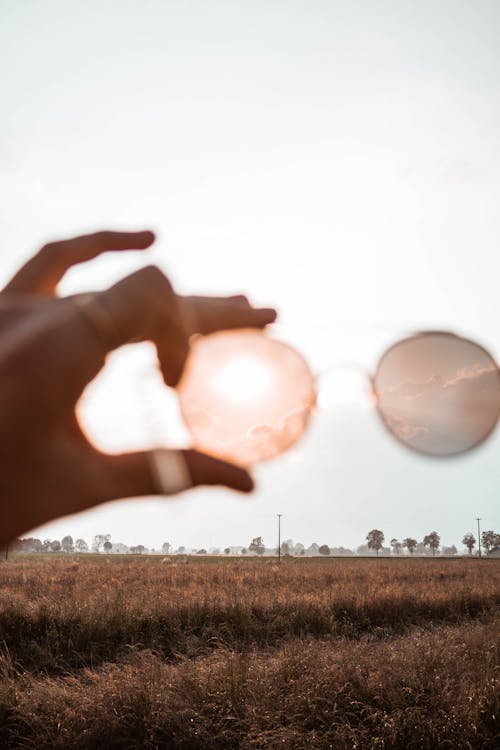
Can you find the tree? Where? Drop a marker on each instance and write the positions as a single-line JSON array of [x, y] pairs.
[[55, 546], [421, 549], [449, 551], [324, 549], [469, 540], [375, 539], [67, 544], [99, 540], [181, 550], [410, 544], [490, 540], [227, 550], [243, 551], [298, 549], [201, 551], [107, 546], [138, 550], [257, 545], [285, 549], [396, 546], [432, 541], [81, 545], [165, 548], [29, 545]]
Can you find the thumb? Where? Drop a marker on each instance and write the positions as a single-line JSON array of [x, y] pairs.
[[164, 472], [207, 470]]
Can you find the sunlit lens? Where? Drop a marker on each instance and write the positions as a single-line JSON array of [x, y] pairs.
[[245, 397], [438, 393]]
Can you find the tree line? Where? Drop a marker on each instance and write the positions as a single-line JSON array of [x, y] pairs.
[[101, 543]]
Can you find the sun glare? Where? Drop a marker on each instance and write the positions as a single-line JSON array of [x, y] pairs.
[[243, 380], [245, 396]]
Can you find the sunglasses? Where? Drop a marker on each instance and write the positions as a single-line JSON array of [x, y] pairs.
[[246, 397]]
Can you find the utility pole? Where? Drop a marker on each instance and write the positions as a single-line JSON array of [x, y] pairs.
[[479, 536], [279, 536]]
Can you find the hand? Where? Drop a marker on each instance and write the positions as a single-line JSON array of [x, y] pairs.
[[51, 348]]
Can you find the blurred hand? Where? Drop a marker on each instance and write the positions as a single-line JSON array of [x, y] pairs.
[[51, 348]]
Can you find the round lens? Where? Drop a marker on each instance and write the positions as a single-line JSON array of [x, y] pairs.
[[438, 393], [245, 397]]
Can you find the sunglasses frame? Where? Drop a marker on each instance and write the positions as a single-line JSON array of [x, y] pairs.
[[419, 335]]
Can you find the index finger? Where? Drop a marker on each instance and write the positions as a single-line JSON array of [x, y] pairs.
[[42, 273]]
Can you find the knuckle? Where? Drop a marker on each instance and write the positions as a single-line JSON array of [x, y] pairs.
[[51, 251], [156, 278]]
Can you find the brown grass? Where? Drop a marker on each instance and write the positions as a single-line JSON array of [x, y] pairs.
[[241, 654]]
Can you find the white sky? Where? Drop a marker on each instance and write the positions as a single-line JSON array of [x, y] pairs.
[[339, 159]]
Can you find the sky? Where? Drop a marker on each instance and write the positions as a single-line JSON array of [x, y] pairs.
[[339, 159]]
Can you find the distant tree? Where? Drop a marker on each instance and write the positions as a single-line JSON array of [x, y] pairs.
[[46, 545], [257, 545], [432, 541], [469, 540], [243, 551], [342, 552], [449, 551], [410, 544], [375, 539], [67, 544], [285, 549], [298, 548], [107, 546], [26, 546], [137, 550], [165, 548], [227, 550], [99, 540], [324, 549], [396, 546], [55, 546], [81, 545], [421, 549], [313, 549], [201, 551], [490, 540], [181, 551]]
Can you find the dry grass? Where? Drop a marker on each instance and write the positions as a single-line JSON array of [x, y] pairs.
[[241, 654]]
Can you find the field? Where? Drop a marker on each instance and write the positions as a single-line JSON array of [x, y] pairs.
[[144, 652]]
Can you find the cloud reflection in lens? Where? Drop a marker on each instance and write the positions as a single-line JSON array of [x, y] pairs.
[[438, 393], [244, 396]]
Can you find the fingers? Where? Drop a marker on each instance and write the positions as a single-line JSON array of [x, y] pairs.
[[133, 475], [42, 273], [205, 470], [144, 306], [208, 314]]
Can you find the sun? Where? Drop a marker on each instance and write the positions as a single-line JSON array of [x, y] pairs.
[[244, 396], [243, 380]]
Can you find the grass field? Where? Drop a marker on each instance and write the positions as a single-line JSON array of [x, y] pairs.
[[145, 652]]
